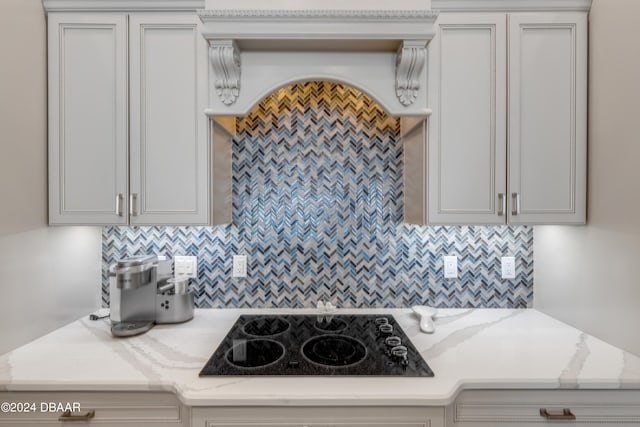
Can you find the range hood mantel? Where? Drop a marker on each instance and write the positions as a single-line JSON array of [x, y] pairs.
[[380, 52]]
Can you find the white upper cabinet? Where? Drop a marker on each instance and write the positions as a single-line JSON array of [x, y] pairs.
[[168, 128], [467, 142], [520, 158], [547, 118], [128, 141], [88, 181]]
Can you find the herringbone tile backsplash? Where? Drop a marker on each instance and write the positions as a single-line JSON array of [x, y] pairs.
[[317, 208]]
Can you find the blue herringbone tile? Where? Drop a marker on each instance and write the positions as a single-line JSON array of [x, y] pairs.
[[317, 207]]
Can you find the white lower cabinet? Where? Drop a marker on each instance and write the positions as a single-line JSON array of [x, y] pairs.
[[106, 409], [511, 408], [472, 408], [360, 416]]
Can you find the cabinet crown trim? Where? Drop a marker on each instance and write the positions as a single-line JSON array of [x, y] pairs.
[[511, 5], [326, 25], [296, 14], [122, 5], [254, 52]]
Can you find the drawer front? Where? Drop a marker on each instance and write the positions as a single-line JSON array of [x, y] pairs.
[[427, 424], [519, 407], [317, 417], [111, 409]]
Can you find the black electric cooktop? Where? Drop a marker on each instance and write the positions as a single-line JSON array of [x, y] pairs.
[[345, 345]]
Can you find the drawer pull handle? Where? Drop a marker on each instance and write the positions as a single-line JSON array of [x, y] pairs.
[[566, 414], [68, 416]]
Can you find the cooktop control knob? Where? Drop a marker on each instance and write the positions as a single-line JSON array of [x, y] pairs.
[[385, 330], [399, 354], [392, 341]]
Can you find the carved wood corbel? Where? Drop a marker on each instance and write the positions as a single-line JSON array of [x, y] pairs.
[[225, 59], [410, 60]]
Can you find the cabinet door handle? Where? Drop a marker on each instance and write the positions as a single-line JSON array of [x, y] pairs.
[[515, 200], [68, 416], [119, 204], [502, 204], [133, 200], [565, 414]]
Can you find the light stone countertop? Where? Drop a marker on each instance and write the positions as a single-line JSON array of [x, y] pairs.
[[471, 348]]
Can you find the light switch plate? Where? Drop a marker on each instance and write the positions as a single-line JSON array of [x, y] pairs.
[[508, 267], [451, 267], [186, 266]]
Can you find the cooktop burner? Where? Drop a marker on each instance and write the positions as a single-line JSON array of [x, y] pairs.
[[331, 325], [265, 327], [255, 353], [347, 345], [334, 350]]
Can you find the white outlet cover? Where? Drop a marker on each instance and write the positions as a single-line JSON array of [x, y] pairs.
[[186, 266], [450, 267], [239, 266], [508, 267]]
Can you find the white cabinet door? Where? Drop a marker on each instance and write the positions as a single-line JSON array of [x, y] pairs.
[[169, 131], [93, 408], [547, 118], [467, 135], [515, 408], [87, 118]]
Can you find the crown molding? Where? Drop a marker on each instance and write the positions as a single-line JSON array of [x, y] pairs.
[[299, 25], [122, 5], [315, 14], [511, 5]]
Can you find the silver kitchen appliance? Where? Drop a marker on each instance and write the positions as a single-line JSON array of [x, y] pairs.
[[174, 301], [141, 296]]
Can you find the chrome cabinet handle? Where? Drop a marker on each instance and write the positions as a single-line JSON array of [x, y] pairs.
[[133, 209], [565, 414], [502, 204], [119, 204], [515, 200], [68, 416]]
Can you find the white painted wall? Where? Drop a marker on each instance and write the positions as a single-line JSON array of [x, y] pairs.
[[48, 276], [319, 4], [589, 276]]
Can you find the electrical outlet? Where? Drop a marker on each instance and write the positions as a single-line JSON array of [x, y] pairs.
[[186, 266], [239, 266], [451, 267], [508, 267]]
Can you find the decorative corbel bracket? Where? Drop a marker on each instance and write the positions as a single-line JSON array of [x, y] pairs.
[[410, 60], [225, 59]]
